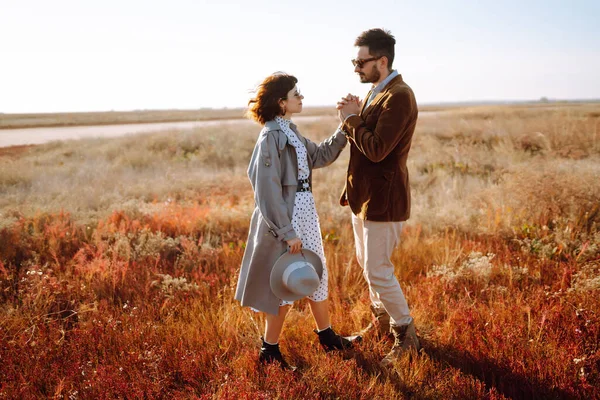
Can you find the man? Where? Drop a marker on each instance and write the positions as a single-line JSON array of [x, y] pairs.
[[377, 188]]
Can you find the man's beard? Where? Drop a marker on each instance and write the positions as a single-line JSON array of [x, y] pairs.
[[372, 77]]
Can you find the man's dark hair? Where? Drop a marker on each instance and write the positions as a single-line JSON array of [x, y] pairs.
[[380, 43]]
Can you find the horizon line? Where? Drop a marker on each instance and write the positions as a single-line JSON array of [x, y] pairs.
[[542, 100]]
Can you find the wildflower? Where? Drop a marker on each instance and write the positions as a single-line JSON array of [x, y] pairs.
[[477, 265], [169, 285]]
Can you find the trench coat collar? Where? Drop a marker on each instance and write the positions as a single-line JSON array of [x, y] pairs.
[[274, 126]]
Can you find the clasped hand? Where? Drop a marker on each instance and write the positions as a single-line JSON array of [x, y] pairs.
[[348, 105]]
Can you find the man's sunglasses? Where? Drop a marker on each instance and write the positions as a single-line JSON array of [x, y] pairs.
[[361, 62]]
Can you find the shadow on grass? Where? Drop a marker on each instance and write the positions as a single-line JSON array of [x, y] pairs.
[[503, 379], [495, 376], [369, 363]]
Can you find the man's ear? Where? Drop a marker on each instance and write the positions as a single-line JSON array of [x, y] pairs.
[[384, 62]]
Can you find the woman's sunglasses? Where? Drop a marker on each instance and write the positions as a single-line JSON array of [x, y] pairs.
[[296, 95]]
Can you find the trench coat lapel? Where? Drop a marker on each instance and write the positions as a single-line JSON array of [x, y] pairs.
[[274, 126]]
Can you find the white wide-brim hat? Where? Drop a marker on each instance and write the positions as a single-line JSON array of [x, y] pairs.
[[295, 276]]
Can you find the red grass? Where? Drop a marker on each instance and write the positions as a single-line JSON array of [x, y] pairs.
[[95, 312]]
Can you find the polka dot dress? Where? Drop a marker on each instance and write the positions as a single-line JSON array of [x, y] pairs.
[[305, 219]]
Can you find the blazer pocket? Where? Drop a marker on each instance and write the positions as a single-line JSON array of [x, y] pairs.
[[381, 187]]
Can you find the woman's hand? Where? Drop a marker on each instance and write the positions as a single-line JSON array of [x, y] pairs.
[[295, 245]]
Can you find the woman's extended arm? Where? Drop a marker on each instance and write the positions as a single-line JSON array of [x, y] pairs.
[[326, 152]]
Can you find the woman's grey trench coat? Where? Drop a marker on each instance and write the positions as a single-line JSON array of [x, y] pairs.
[[273, 172]]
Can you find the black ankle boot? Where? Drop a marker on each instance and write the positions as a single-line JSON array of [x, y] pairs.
[[270, 353], [330, 340]]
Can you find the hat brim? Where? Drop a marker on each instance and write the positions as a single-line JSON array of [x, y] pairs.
[[282, 262]]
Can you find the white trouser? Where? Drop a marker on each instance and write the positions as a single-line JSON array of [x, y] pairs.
[[375, 241]]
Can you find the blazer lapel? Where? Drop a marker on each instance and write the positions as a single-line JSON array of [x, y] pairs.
[[378, 96], [362, 110], [375, 100]]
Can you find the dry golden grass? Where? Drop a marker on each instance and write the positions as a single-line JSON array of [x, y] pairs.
[[119, 259]]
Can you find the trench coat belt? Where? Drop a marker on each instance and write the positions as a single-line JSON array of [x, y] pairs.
[[279, 233], [304, 185]]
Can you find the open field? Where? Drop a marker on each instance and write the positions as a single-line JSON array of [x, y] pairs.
[[119, 259]]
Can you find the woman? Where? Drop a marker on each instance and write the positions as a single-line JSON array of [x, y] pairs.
[[285, 218]]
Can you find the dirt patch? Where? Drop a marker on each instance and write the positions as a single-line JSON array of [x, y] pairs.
[[15, 151]]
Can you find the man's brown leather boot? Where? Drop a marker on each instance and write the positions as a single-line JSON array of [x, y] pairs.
[[405, 339], [379, 325]]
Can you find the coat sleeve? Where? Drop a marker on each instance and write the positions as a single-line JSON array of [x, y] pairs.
[[265, 175], [378, 143], [326, 152]]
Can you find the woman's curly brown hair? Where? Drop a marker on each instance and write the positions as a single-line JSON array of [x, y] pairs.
[[265, 105]]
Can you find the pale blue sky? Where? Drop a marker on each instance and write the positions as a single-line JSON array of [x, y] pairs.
[[68, 55]]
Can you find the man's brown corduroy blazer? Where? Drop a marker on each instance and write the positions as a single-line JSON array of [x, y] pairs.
[[377, 184]]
